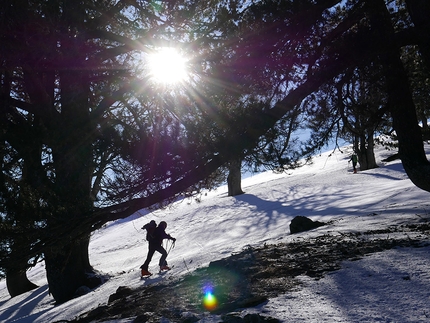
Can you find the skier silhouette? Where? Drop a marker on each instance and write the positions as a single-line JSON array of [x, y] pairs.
[[155, 237]]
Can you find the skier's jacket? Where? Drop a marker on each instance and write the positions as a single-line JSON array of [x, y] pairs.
[[150, 230], [160, 234]]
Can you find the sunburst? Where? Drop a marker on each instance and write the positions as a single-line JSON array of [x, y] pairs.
[[167, 66]]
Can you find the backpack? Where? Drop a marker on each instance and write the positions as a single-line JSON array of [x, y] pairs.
[[150, 230]]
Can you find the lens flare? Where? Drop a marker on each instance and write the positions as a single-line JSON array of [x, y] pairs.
[[216, 288], [209, 301]]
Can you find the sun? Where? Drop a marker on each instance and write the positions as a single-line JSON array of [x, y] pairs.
[[167, 66]]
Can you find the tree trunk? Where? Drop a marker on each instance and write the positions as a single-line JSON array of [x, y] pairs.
[[361, 152], [67, 265], [68, 268], [234, 178], [17, 282], [402, 108], [364, 148], [419, 11], [366, 154], [370, 151]]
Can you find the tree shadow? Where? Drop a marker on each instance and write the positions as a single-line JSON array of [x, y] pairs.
[[269, 213], [26, 305], [380, 289], [396, 172]]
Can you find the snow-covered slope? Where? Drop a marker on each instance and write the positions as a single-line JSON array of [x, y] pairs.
[[369, 290]]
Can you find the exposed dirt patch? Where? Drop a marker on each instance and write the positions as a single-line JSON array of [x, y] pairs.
[[251, 277]]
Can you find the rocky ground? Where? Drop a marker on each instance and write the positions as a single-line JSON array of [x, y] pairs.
[[251, 277]]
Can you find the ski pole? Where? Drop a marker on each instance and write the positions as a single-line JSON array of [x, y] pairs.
[[171, 247]]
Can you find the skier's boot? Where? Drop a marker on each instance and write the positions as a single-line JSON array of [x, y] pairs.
[[164, 268], [145, 273]]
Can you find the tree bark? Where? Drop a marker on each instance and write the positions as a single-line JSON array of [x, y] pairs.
[[17, 282], [370, 151], [234, 178], [68, 268], [67, 263], [365, 151], [419, 10]]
